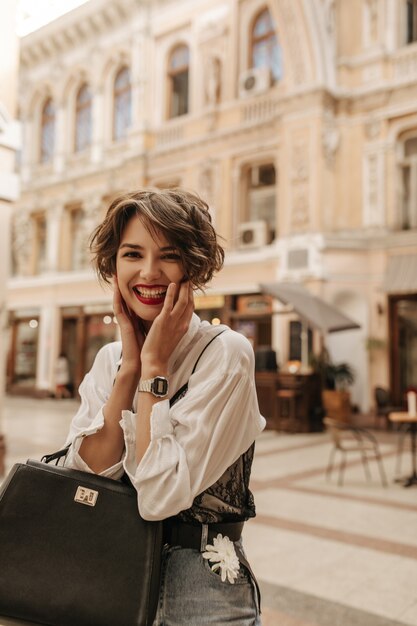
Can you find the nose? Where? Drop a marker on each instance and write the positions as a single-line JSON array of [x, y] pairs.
[[150, 269]]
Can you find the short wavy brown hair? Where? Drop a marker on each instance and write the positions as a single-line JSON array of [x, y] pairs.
[[181, 216]]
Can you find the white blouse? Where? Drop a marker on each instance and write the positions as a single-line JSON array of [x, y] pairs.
[[194, 441]]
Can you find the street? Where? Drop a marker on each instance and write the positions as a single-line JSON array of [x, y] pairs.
[[324, 555]]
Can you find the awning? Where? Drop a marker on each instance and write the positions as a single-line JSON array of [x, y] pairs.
[[401, 276], [313, 310]]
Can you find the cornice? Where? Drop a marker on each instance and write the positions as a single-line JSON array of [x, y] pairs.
[[81, 25]]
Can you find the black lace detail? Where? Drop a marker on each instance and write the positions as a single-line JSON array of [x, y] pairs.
[[229, 499]]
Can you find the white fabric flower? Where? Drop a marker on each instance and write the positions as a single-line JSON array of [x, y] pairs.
[[223, 556]]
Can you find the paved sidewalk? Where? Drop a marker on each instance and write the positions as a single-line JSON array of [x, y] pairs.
[[325, 555]]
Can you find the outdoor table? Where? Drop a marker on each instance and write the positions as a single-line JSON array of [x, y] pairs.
[[404, 418]]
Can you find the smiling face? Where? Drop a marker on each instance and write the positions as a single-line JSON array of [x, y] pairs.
[[145, 265]]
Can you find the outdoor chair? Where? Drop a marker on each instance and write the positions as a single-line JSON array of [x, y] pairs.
[[383, 405], [347, 438]]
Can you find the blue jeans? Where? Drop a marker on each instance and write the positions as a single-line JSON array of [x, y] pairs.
[[193, 595]]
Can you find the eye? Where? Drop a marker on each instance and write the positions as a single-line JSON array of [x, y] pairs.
[[132, 255]]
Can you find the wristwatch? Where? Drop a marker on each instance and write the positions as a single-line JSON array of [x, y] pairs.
[[158, 386]]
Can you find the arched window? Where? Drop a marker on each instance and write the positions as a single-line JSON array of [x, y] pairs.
[[408, 184], [83, 126], [178, 71], [47, 131], [122, 104], [265, 49]]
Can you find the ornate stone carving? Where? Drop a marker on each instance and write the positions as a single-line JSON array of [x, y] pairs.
[[373, 129], [207, 183], [330, 137], [213, 72], [22, 242], [373, 190]]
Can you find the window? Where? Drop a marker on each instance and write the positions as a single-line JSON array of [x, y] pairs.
[[408, 184], [411, 21], [47, 131], [295, 341], [261, 182], [122, 112], [265, 49], [39, 243], [83, 125], [178, 70]]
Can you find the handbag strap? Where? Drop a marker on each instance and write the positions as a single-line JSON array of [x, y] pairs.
[[183, 390], [56, 456]]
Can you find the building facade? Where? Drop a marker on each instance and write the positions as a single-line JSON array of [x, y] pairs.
[[299, 130], [9, 180]]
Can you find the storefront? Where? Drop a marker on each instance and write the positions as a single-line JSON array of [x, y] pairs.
[[401, 288], [84, 331], [403, 333], [23, 351]]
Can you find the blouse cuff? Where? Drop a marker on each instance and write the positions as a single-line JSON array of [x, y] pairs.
[[75, 461], [161, 426]]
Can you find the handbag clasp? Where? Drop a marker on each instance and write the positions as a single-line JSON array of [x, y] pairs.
[[86, 496]]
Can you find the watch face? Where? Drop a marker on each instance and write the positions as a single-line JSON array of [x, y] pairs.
[[160, 386]]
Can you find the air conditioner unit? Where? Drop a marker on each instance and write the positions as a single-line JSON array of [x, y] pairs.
[[253, 235], [254, 81]]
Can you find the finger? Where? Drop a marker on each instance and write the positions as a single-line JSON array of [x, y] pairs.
[[183, 298], [169, 298], [117, 299]]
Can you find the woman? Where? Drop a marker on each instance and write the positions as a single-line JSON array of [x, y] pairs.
[[187, 448]]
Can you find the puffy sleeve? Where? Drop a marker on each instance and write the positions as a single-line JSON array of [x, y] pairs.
[[94, 391], [195, 441]]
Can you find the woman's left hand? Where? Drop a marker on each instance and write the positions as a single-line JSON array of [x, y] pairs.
[[167, 329]]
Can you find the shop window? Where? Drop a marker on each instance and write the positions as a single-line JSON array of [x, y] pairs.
[[39, 264], [265, 49], [295, 338], [83, 125], [178, 77], [47, 131], [22, 362], [101, 329], [411, 21], [122, 104], [408, 184], [261, 197], [403, 351]]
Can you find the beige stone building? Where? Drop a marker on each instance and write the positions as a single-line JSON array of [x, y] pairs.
[[295, 119], [9, 180]]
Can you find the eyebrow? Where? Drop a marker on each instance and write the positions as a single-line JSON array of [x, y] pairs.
[[134, 246]]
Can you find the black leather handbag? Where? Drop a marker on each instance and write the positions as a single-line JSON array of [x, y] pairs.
[[74, 550]]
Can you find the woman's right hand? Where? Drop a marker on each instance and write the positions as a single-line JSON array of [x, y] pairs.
[[131, 330]]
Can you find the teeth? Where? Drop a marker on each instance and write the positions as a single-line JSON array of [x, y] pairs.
[[150, 293]]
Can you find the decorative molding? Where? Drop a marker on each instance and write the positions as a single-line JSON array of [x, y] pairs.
[[373, 187], [22, 242], [300, 183]]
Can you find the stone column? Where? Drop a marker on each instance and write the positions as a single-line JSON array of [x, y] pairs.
[[137, 74], [60, 143], [49, 331], [98, 124], [53, 237]]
